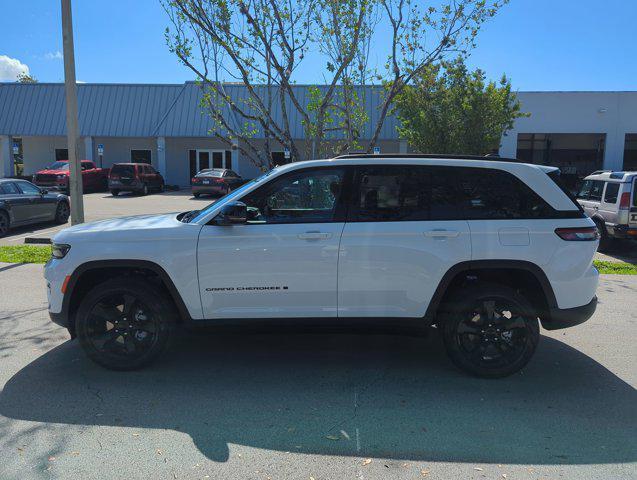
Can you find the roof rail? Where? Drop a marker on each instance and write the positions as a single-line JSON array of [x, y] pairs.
[[597, 172], [426, 155]]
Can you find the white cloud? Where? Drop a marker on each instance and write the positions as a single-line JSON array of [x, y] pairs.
[[10, 68], [57, 55]]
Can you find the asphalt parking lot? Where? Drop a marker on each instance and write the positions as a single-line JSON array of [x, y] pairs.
[[299, 406], [102, 205]]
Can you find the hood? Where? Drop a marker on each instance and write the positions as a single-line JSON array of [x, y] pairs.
[[121, 227], [52, 172]]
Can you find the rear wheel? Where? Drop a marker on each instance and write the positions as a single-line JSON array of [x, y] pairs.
[[115, 192], [490, 331], [62, 213], [144, 190], [196, 195], [605, 240], [124, 323], [4, 223]]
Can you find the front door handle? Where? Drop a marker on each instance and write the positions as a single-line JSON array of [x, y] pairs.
[[442, 233], [314, 236]]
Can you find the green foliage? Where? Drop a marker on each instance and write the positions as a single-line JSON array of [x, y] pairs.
[[24, 254], [454, 111], [26, 78]]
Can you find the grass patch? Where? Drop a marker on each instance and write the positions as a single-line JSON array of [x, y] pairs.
[[24, 254], [618, 268]]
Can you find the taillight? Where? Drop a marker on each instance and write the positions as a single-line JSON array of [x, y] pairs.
[[219, 180], [114, 177], [624, 202], [584, 234], [195, 180]]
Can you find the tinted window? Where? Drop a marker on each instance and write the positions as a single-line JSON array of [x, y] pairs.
[[28, 188], [59, 166], [8, 188], [612, 189], [123, 170], [496, 194], [309, 196], [404, 193]]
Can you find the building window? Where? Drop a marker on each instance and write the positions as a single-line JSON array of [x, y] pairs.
[[61, 154], [630, 152], [228, 159], [140, 156]]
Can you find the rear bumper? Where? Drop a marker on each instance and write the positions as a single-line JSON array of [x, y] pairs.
[[208, 189], [135, 187], [569, 317], [624, 231]]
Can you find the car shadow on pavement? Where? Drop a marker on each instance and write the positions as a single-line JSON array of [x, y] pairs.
[[361, 395]]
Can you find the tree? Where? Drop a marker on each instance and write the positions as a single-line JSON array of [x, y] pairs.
[[451, 110], [26, 78], [262, 44]]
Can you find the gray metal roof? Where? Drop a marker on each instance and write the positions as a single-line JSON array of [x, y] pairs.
[[142, 110]]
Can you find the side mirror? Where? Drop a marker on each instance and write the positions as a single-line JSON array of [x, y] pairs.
[[233, 213]]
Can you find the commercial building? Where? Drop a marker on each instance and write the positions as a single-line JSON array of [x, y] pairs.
[[165, 126]]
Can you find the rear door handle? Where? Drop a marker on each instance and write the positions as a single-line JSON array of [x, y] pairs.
[[314, 235], [442, 233]]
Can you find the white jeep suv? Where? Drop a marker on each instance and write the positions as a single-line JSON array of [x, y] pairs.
[[483, 249]]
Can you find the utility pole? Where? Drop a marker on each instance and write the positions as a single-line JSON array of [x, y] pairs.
[[75, 179]]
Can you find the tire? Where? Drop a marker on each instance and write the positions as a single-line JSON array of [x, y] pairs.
[[115, 192], [62, 212], [129, 337], [490, 331], [144, 190], [162, 187], [5, 223], [196, 195], [605, 240]]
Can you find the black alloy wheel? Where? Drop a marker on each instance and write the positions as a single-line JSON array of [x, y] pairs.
[[493, 332], [62, 212], [4, 224], [124, 324]]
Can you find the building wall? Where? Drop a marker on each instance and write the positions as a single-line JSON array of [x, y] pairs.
[[611, 113], [40, 151], [117, 149]]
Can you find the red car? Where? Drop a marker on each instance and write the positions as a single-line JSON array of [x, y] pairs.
[[56, 176], [134, 177]]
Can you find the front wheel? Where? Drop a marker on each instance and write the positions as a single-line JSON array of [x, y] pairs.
[[124, 323], [490, 331]]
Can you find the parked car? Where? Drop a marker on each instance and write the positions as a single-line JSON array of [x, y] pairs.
[[135, 177], [485, 250], [215, 181], [610, 199], [22, 203], [56, 176]]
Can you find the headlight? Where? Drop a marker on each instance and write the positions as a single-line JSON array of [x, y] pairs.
[[59, 250], [61, 177]]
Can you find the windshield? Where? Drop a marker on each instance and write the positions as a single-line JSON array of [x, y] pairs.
[[59, 166], [226, 198]]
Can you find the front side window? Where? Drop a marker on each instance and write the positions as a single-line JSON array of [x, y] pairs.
[[585, 190], [596, 190], [308, 196], [612, 190], [28, 188]]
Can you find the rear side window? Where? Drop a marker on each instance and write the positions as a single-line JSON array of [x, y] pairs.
[[405, 193], [495, 194], [612, 190], [8, 188], [596, 190]]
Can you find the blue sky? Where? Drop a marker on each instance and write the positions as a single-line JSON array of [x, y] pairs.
[[539, 44]]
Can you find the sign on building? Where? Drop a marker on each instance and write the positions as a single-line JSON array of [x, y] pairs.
[[100, 149]]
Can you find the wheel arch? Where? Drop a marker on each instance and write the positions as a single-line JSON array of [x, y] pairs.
[[89, 274], [520, 272]]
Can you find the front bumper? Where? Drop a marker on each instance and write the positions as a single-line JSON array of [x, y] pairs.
[[569, 317], [624, 231]]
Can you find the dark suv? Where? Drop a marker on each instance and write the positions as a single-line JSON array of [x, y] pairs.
[[134, 177]]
